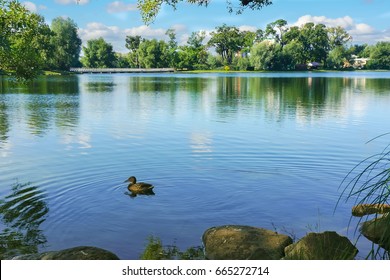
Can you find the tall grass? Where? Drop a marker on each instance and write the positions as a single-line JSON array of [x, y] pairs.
[[369, 183]]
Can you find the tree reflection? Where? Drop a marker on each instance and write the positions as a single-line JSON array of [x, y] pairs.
[[22, 212], [4, 124]]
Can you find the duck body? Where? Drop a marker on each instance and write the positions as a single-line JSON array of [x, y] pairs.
[[140, 187]]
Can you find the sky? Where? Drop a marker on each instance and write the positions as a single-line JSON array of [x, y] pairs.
[[367, 21]]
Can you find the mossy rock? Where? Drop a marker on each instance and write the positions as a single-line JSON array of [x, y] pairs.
[[327, 245], [235, 242], [378, 231]]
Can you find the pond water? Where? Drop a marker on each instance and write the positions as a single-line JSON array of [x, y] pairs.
[[261, 149]]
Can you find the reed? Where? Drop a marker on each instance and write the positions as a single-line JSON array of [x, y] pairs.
[[368, 183]]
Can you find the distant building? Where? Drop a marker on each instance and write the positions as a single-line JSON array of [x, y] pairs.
[[358, 63]]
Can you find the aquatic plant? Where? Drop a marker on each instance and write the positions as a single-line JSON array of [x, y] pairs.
[[155, 250], [22, 212], [369, 184]]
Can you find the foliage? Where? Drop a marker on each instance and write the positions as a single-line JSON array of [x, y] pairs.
[[227, 41], [132, 44], [153, 54], [66, 44], [25, 40], [338, 58], [98, 54], [269, 56], [276, 31], [194, 54], [370, 185], [155, 250], [172, 55], [338, 37], [150, 8], [380, 56], [23, 211]]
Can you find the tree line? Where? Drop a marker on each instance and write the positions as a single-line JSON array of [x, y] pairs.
[[28, 45]]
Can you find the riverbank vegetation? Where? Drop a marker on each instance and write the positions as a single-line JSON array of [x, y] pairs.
[[29, 45]]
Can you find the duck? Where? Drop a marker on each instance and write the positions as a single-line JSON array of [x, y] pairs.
[[140, 187]]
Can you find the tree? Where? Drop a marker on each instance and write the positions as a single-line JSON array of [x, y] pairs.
[[132, 44], [24, 40], [276, 30], [66, 43], [227, 41], [153, 54], [194, 54], [172, 48], [338, 37], [380, 56], [150, 8], [270, 56], [338, 58], [98, 54]]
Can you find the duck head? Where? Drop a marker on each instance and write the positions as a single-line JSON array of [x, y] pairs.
[[131, 180]]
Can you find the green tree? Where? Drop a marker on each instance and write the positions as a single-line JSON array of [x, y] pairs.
[[150, 8], [132, 44], [153, 54], [194, 54], [227, 41], [24, 40], [98, 54], [380, 56], [266, 56], [315, 42], [338, 37], [66, 43], [276, 31], [338, 57], [172, 48]]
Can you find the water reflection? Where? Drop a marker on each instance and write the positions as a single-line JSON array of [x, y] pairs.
[[144, 193], [101, 86], [22, 212], [56, 102], [4, 124], [39, 104]]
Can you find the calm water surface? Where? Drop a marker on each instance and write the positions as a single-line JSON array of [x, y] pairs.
[[267, 150]]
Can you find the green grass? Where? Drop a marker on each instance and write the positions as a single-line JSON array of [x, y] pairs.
[[371, 185], [155, 250]]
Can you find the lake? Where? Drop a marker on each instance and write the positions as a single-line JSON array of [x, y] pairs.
[[261, 149]]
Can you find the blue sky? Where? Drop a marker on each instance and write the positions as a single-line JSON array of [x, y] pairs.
[[368, 21]]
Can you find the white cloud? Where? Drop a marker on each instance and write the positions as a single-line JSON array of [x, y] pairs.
[[247, 28], [360, 32], [120, 7], [67, 2], [33, 7], [116, 36], [30, 6], [345, 22]]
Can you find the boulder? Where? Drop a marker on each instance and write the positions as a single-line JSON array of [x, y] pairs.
[[321, 246], [235, 242], [361, 210], [377, 230], [76, 253]]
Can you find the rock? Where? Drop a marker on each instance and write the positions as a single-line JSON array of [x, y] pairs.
[[377, 230], [361, 210], [322, 246], [76, 253], [234, 242]]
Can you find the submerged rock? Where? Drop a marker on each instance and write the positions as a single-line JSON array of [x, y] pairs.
[[322, 246], [76, 253], [377, 230], [234, 242]]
